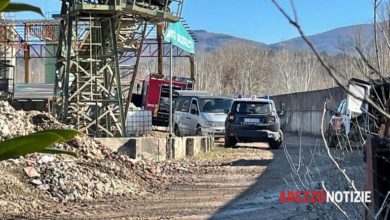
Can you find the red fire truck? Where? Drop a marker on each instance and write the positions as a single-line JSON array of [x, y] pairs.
[[154, 96]]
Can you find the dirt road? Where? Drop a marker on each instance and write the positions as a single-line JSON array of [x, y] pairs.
[[240, 183]]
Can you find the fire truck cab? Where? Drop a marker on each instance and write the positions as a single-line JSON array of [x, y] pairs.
[[155, 96]]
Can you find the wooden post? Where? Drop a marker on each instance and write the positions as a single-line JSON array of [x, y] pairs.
[[370, 177], [377, 174]]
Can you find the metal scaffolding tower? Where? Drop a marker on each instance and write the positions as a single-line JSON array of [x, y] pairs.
[[7, 60], [93, 79]]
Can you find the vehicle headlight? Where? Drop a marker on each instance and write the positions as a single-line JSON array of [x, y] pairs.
[[210, 123]]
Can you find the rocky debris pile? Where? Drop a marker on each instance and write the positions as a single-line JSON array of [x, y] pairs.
[[16, 194], [36, 180], [98, 172], [68, 180], [18, 123]]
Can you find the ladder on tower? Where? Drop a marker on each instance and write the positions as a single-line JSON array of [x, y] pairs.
[[100, 49]]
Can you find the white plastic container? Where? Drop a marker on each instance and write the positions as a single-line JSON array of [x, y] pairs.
[[138, 123]]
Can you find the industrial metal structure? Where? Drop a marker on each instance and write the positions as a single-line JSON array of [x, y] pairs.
[[99, 46], [38, 39], [28, 39], [94, 77], [6, 64]]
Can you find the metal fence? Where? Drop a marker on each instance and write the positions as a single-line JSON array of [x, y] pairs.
[[303, 111]]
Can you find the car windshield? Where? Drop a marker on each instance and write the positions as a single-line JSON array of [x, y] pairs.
[[252, 108], [215, 105]]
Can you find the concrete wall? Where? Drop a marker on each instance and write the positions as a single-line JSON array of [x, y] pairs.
[[159, 149], [303, 111]]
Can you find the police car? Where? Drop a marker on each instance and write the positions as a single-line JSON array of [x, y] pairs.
[[253, 120]]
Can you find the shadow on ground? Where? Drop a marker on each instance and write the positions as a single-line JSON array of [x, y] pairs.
[[260, 201], [253, 147], [244, 162]]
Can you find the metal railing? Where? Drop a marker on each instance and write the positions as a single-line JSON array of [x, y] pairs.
[[168, 10]]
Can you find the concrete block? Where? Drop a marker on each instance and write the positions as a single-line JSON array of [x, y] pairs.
[[138, 148], [193, 146], [159, 149], [113, 143], [148, 148], [203, 145], [178, 148], [206, 144], [212, 143]]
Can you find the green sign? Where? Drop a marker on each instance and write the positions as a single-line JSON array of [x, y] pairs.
[[179, 36]]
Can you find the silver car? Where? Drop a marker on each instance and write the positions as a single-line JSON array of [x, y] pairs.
[[199, 113]]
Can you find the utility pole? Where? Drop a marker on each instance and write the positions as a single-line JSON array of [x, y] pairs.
[[170, 90], [26, 54], [160, 49], [192, 67]]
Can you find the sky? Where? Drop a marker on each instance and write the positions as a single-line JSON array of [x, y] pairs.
[[258, 20]]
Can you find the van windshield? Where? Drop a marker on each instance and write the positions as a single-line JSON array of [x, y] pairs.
[[215, 105]]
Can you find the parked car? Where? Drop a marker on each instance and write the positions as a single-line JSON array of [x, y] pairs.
[[200, 113], [253, 120], [349, 122], [338, 126]]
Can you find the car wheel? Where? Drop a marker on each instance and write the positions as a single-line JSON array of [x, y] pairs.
[[198, 131], [177, 131], [229, 142], [273, 144]]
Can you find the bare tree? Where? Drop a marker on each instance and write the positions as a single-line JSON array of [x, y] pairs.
[[375, 63]]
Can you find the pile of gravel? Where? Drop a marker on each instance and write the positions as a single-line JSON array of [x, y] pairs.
[[33, 181], [15, 123]]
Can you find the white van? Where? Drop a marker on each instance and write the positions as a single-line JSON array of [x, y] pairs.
[[200, 113]]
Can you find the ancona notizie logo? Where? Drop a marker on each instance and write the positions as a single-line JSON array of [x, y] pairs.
[[323, 196]]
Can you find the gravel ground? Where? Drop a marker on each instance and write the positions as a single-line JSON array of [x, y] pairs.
[[241, 183], [228, 183], [36, 183], [208, 182]]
